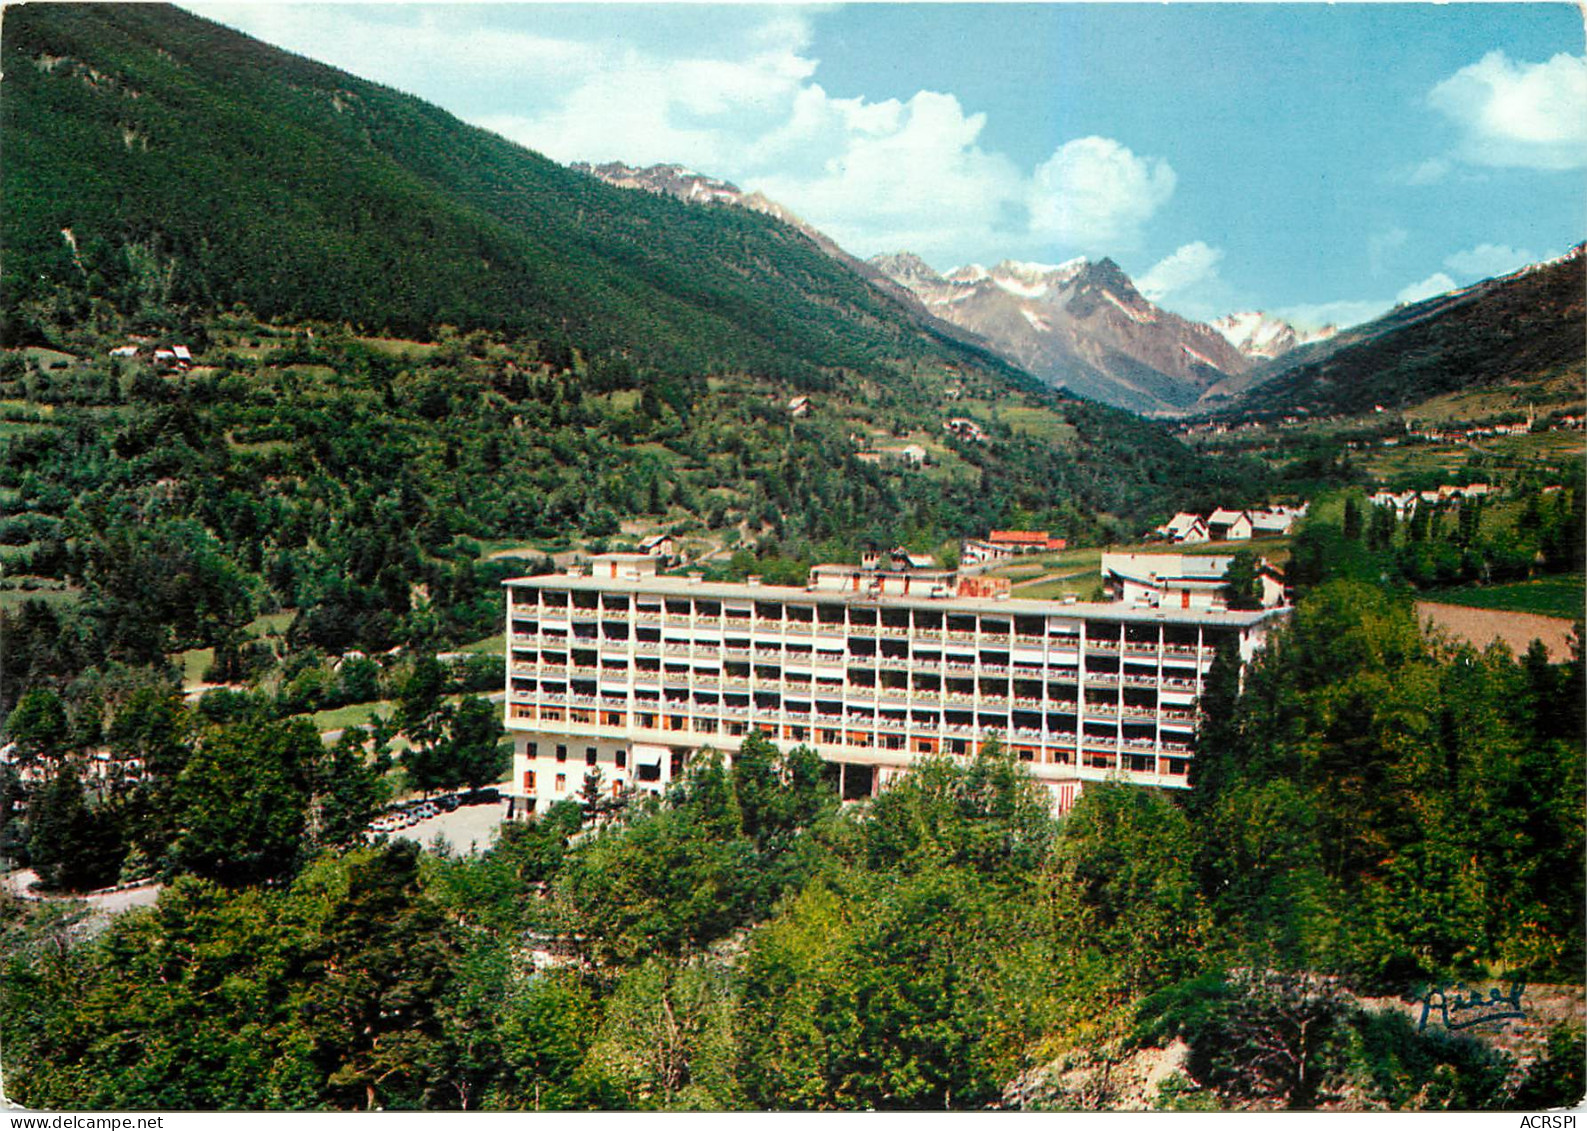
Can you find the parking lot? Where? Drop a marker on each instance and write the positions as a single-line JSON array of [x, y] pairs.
[[469, 828]]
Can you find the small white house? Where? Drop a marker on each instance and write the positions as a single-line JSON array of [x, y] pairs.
[[974, 551], [657, 546], [1271, 523], [1186, 528], [1229, 526], [630, 567]]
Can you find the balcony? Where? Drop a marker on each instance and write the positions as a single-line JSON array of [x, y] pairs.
[[1101, 644], [1029, 641], [893, 630], [647, 618], [959, 637]]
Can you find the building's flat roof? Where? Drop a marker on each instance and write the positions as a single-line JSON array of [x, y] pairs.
[[1010, 606]]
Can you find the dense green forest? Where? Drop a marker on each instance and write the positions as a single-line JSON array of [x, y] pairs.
[[424, 360], [158, 162], [1495, 333], [1377, 810], [323, 473]]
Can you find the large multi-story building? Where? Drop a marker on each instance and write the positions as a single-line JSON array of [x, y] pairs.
[[629, 674]]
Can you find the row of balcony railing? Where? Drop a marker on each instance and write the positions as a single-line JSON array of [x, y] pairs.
[[1173, 652], [1176, 718], [1063, 740], [713, 679], [866, 664], [1063, 641]]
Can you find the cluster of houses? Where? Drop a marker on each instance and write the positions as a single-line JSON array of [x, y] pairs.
[[1225, 525], [1404, 503], [1473, 432], [101, 767], [173, 357], [1000, 545], [965, 429]]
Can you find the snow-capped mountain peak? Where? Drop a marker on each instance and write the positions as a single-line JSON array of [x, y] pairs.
[[1260, 335]]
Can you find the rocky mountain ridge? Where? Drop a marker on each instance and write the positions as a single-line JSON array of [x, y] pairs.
[[1080, 324], [1260, 335]]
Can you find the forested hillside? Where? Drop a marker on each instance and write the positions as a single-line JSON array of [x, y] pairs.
[[1523, 326], [417, 359], [582, 357], [1377, 813], [158, 162]]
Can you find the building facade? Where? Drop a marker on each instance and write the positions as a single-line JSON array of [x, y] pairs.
[[630, 675]]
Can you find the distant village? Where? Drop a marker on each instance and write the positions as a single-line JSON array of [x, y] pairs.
[[1225, 525]]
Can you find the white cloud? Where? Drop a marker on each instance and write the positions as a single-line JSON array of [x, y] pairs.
[[1511, 114], [878, 176], [1341, 313], [1429, 172], [1487, 260], [1095, 195], [730, 91], [1435, 284], [1189, 265]]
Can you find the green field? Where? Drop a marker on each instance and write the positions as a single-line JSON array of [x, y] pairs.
[[12, 599], [1559, 595], [196, 661], [1081, 585], [352, 715], [494, 644]]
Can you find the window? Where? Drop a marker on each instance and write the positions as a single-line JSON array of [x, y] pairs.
[[562, 753], [622, 759], [533, 750], [562, 782], [589, 755], [528, 779]]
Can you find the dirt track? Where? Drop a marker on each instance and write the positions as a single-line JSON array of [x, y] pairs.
[[1483, 626]]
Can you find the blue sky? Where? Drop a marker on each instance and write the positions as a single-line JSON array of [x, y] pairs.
[[1316, 161]]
